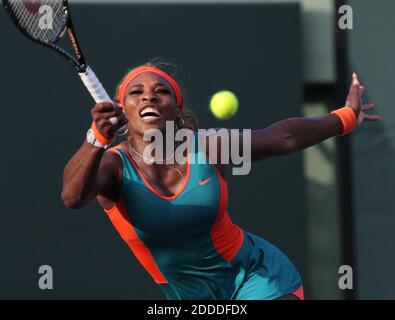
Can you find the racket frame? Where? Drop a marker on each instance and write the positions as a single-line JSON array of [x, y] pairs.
[[86, 74], [78, 63]]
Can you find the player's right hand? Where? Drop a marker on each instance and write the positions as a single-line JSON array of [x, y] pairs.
[[101, 114]]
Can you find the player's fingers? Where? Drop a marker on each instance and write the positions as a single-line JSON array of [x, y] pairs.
[[118, 110], [101, 109], [118, 123], [117, 104], [104, 107], [368, 106], [355, 86], [361, 90], [109, 117], [355, 80], [354, 99], [114, 112], [371, 117], [104, 127], [354, 83], [108, 107], [123, 119]]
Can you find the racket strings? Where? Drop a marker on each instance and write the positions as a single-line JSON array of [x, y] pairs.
[[43, 28]]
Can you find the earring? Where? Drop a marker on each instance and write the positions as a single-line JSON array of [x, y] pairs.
[[183, 123], [124, 132]]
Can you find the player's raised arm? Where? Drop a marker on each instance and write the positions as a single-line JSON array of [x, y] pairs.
[[92, 171], [295, 134]]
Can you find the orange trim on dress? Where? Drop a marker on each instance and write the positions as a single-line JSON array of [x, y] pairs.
[[299, 293], [227, 237], [119, 218], [114, 149]]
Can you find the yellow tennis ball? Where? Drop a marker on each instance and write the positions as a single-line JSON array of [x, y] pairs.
[[224, 104]]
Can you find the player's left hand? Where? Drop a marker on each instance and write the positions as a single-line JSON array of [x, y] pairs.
[[354, 101]]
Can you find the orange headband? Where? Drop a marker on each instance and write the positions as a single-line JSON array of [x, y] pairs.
[[136, 72]]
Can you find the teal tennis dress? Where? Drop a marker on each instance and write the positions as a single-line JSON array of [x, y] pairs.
[[188, 243]]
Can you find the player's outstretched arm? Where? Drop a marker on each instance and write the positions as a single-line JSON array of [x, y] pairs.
[[91, 171], [295, 134]]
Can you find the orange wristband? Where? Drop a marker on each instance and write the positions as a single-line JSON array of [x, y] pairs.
[[100, 137], [347, 117]]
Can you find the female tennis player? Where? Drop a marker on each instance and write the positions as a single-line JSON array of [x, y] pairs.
[[174, 216]]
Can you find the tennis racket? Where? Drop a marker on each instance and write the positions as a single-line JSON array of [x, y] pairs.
[[46, 22]]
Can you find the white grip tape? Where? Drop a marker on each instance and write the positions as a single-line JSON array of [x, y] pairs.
[[96, 90], [94, 86]]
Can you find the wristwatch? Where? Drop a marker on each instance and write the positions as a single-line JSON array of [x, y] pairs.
[[90, 137]]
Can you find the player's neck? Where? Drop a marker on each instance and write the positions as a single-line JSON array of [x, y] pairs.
[[147, 150]]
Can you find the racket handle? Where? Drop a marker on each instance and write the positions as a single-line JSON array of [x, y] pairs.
[[96, 90], [94, 86]]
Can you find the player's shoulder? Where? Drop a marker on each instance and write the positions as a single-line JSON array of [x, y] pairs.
[[116, 150], [113, 155]]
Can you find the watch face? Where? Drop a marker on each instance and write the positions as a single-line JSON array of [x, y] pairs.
[[90, 136]]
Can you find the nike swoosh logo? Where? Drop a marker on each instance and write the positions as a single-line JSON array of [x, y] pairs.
[[202, 183]]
